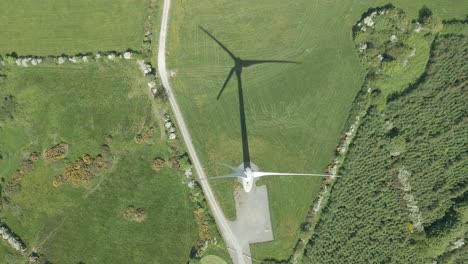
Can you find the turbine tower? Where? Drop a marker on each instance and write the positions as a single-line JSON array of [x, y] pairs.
[[247, 175]]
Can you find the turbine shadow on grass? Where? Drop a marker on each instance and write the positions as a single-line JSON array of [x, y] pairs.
[[239, 64]]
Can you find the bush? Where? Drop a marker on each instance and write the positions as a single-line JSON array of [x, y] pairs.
[[425, 14]]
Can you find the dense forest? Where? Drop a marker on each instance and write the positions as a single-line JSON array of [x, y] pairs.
[[402, 197]]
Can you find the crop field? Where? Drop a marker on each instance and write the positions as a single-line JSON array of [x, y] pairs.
[[294, 112], [50, 27], [109, 205], [402, 197]]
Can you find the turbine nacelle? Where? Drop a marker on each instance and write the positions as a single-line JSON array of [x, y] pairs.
[[248, 180]]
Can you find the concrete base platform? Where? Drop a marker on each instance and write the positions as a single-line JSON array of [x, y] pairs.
[[253, 223]]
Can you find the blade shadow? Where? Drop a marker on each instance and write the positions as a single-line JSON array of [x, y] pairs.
[[239, 64], [219, 43], [226, 82], [248, 63]]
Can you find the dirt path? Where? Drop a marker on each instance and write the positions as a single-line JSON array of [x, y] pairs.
[[223, 225]]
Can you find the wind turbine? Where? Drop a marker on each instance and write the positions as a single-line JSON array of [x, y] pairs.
[[247, 175]]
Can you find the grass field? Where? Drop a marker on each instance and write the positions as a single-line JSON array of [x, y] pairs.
[[50, 27], [80, 105], [295, 113], [212, 259]]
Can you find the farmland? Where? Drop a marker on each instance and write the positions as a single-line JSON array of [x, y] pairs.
[[294, 112], [50, 27], [402, 197], [109, 197], [88, 174]]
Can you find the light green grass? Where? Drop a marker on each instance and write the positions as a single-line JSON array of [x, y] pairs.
[[216, 253], [295, 113], [401, 76], [212, 259], [80, 104], [47, 27]]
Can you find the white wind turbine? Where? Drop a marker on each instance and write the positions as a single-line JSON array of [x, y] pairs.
[[247, 175]]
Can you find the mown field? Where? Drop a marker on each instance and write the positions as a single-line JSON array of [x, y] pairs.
[[50, 27], [294, 112], [402, 197], [81, 105]]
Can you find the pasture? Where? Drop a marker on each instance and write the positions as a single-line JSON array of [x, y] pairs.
[[212, 259], [294, 112], [86, 106], [50, 27]]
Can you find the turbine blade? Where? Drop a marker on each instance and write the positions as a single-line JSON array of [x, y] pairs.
[[219, 43], [230, 167], [226, 82], [231, 175], [258, 174], [248, 63]]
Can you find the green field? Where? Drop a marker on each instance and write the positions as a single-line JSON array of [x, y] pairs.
[[294, 113], [50, 27], [212, 259], [80, 104], [402, 197]]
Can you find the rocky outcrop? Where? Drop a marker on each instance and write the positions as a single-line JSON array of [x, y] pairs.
[[10, 238]]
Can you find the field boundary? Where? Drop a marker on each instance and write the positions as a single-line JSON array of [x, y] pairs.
[[33, 60]]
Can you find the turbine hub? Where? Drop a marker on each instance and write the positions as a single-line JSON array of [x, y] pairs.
[[248, 180], [248, 172]]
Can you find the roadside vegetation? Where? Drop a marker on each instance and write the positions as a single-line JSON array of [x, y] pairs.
[[402, 194]]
